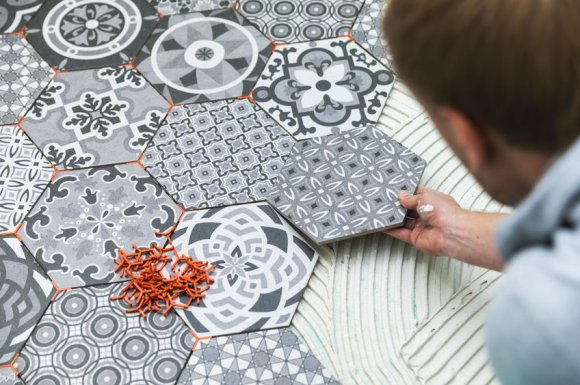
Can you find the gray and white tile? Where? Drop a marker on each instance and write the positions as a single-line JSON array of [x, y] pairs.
[[367, 30], [9, 377], [173, 7], [14, 14]]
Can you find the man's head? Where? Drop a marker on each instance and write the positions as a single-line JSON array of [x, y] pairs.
[[500, 78]]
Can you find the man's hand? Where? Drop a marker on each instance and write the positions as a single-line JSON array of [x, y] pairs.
[[437, 225]]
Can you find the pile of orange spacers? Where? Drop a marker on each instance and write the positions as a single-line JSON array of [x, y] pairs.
[[158, 276]]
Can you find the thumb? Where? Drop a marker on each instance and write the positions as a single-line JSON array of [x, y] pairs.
[[408, 200]]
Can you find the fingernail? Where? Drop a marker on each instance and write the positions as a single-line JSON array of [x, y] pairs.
[[425, 209]]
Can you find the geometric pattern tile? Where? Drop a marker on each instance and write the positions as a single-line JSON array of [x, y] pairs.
[[24, 174], [262, 267], [367, 30], [95, 117], [319, 88], [25, 292], [204, 56], [346, 185], [8, 377], [84, 338], [23, 75], [83, 34], [173, 7], [271, 357], [218, 153], [85, 215], [291, 21], [15, 13]]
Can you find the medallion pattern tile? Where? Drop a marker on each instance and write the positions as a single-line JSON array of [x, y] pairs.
[[14, 14]]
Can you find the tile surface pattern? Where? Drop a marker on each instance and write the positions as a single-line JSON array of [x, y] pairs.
[[23, 75], [24, 174], [82, 34], [218, 153], [346, 184], [8, 377], [263, 265], [367, 30], [15, 13], [25, 292], [86, 215], [96, 117], [272, 357], [204, 56], [290, 21], [84, 338], [172, 7], [318, 88]]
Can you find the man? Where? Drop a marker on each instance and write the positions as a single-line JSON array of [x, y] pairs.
[[501, 81]]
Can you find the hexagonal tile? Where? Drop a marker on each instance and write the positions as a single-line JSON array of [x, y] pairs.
[[204, 56], [9, 377], [85, 338], [83, 34], [24, 174], [347, 184], [262, 267], [173, 7], [318, 88], [95, 117], [23, 75], [15, 14], [84, 216], [267, 357], [25, 292], [291, 21], [367, 30], [218, 153]]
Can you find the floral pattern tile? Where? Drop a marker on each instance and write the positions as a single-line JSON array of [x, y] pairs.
[[24, 174], [96, 117], [218, 153], [23, 75], [14, 14], [204, 56], [25, 292], [272, 357], [319, 88], [83, 34], [173, 7], [85, 338], [367, 30], [262, 267], [291, 21], [345, 185], [84, 216]]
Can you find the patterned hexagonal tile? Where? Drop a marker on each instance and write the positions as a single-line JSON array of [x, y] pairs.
[[84, 338], [23, 75], [15, 14], [9, 377], [262, 267], [84, 216], [83, 34], [291, 21], [318, 88], [204, 56], [346, 184], [272, 357], [173, 7], [95, 117], [24, 174], [218, 153], [25, 292], [367, 30]]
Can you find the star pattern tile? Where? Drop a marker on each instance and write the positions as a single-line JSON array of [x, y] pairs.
[[367, 30]]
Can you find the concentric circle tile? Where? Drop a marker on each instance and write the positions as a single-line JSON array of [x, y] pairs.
[[14, 14]]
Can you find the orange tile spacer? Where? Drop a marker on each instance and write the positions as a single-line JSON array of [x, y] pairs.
[[56, 172], [235, 5], [198, 339], [159, 13], [275, 45], [58, 290], [12, 364], [14, 232], [249, 97]]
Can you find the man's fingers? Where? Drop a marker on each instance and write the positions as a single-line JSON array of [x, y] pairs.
[[400, 233], [408, 200], [410, 224]]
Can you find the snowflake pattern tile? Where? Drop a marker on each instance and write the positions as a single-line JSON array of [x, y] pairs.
[[24, 174], [173, 7], [84, 338], [319, 88], [204, 56], [23, 75], [84, 216], [14, 14], [262, 267], [367, 30], [272, 357], [25, 292], [218, 153], [291, 21], [346, 184], [96, 117], [83, 34], [8, 377]]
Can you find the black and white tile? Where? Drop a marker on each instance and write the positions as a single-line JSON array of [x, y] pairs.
[[367, 30], [173, 7], [14, 14]]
